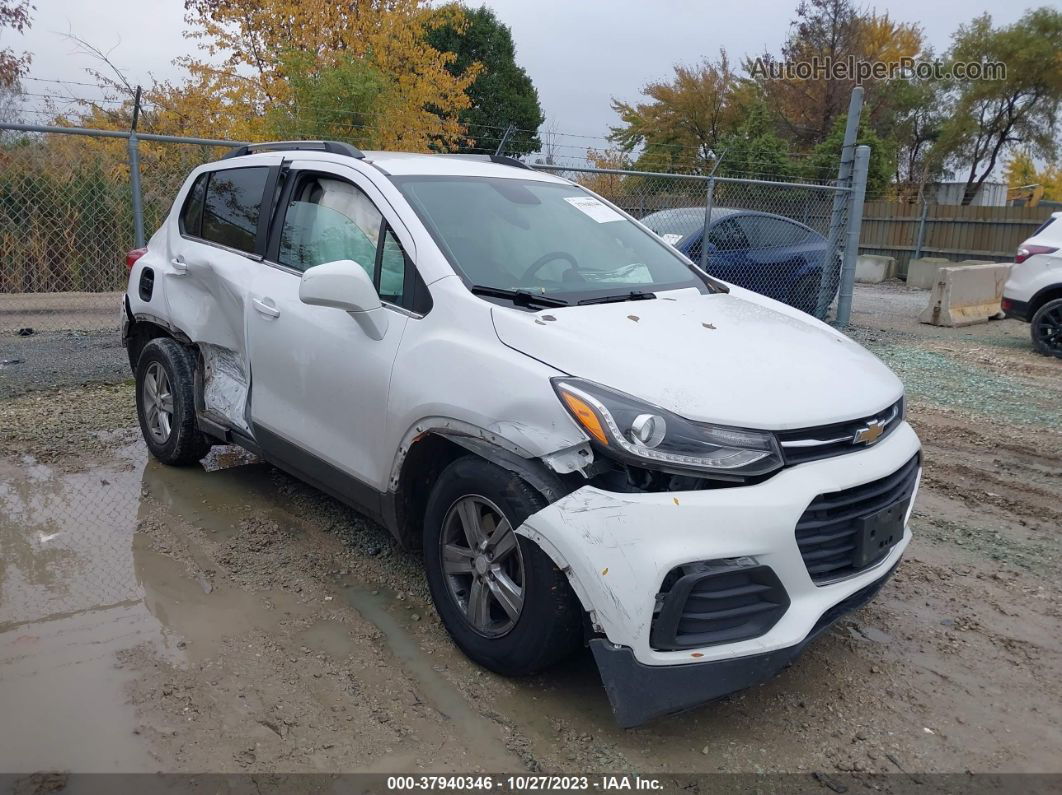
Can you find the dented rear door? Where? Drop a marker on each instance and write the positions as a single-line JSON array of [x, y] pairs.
[[213, 255]]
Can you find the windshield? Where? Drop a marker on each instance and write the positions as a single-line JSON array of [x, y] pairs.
[[673, 225], [542, 237]]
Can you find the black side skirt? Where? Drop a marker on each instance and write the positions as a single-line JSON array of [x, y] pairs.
[[320, 474]]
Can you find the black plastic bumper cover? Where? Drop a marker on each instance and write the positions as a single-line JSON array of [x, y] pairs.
[[639, 693]]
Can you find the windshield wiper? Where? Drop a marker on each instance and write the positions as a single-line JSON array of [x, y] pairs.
[[634, 295], [518, 297]]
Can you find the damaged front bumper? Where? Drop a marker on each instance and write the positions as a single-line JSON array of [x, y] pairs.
[[618, 551], [639, 693]]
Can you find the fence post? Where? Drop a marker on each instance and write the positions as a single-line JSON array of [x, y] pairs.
[[708, 213], [921, 227], [855, 223], [844, 179], [134, 176]]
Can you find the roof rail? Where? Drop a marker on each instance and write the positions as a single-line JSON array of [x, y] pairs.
[[332, 147], [501, 160]]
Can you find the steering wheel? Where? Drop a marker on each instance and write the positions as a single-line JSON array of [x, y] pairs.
[[536, 266]]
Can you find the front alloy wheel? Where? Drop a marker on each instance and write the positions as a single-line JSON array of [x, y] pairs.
[[503, 601], [483, 564]]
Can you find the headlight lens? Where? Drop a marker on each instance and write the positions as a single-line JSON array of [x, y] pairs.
[[632, 430]]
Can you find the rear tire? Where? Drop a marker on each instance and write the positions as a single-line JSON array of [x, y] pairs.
[[503, 568], [165, 403], [1046, 328]]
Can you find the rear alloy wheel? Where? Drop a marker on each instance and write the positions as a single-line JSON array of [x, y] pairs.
[[1046, 328], [502, 599], [165, 403]]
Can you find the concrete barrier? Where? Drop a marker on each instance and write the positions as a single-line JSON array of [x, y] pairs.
[[874, 269], [966, 295], [922, 273]]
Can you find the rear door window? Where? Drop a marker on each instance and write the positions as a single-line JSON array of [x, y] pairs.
[[192, 212], [232, 206]]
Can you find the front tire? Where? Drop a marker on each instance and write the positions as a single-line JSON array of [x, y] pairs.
[[165, 403], [1046, 328], [503, 601]]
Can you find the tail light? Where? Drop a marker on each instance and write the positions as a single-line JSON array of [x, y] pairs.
[[1024, 252], [132, 256]]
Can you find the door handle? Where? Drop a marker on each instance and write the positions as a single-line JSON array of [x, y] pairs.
[[263, 308], [180, 267]]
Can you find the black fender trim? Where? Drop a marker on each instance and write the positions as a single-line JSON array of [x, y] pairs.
[[537, 474], [639, 693]]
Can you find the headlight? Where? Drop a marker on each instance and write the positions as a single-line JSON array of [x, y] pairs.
[[638, 432]]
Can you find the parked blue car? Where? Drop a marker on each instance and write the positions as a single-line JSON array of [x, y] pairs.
[[771, 254]]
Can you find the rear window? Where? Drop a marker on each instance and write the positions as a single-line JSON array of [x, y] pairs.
[[192, 213], [1043, 226], [233, 202]]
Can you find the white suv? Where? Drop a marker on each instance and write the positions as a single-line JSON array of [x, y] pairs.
[[591, 439], [1033, 291]]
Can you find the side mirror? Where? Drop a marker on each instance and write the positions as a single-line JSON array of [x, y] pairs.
[[345, 285]]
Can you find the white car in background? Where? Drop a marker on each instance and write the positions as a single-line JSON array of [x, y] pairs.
[[593, 441], [1033, 291]]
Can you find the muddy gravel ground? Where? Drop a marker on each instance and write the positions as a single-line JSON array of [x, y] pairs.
[[228, 618]]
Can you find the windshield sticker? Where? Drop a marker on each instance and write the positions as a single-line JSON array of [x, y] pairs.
[[671, 239], [601, 213]]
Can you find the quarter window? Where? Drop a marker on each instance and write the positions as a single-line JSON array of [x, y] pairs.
[[391, 282], [233, 202]]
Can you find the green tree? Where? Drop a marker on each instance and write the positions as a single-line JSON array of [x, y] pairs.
[[986, 117], [754, 150], [502, 93], [341, 102], [823, 158]]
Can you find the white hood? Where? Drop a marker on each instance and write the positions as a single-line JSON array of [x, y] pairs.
[[747, 362]]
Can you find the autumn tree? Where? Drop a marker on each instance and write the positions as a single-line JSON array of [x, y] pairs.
[[986, 117], [831, 32], [248, 68], [502, 93], [681, 123], [1020, 171], [15, 15]]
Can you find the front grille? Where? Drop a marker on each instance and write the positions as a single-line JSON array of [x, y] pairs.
[[828, 532], [825, 441], [702, 604]]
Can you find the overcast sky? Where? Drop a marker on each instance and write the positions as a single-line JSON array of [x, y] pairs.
[[580, 53]]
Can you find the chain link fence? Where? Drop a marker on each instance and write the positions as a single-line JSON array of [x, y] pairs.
[[67, 219], [71, 199]]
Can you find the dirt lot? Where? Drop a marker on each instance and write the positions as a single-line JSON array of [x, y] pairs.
[[228, 618]]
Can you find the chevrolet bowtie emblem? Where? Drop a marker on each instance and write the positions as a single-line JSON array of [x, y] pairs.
[[869, 434]]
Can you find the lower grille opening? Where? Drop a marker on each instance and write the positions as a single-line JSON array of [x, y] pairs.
[[720, 601], [830, 533]]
